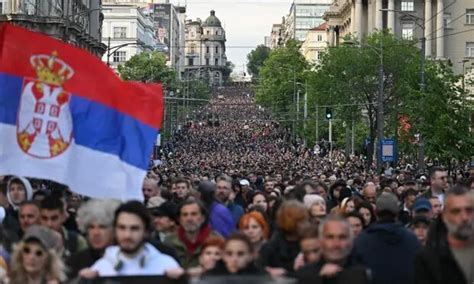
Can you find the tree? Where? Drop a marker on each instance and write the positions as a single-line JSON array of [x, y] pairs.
[[256, 58], [229, 67], [149, 67]]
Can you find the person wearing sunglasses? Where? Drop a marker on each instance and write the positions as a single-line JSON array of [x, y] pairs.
[[35, 259]]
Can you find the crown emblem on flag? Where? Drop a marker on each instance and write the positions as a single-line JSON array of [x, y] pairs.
[[50, 69]]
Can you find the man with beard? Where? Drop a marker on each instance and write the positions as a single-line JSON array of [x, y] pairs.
[[191, 234], [449, 254], [223, 195], [132, 255]]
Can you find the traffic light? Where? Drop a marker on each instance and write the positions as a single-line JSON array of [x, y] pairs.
[[328, 113]]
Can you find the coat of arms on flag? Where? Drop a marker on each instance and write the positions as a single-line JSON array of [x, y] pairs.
[[44, 127]]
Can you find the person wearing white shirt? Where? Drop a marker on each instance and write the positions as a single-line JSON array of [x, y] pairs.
[[133, 255]]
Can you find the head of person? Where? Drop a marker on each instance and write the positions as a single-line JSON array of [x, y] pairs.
[[422, 207], [254, 226], [370, 192], [336, 239], [53, 213], [439, 179], [35, 256], [238, 253], [458, 213], [269, 185], [18, 190], [420, 225], [150, 188], [245, 184], [387, 207], [164, 217], [211, 252], [409, 197], [181, 189], [347, 205], [192, 216], [436, 205], [95, 219], [132, 225], [336, 189], [290, 217], [356, 221], [321, 190], [29, 214], [367, 211], [315, 204], [223, 188], [310, 244], [260, 199]]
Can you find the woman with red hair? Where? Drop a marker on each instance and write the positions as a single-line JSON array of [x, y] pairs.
[[254, 226]]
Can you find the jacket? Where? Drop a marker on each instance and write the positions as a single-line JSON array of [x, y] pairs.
[[351, 273], [388, 249], [436, 264], [221, 270], [278, 252], [81, 260], [221, 219]]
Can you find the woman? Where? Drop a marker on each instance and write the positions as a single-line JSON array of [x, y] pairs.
[[347, 206], [260, 199], [367, 211], [316, 206], [35, 260], [238, 258], [255, 227]]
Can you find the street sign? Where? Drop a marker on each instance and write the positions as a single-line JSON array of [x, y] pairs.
[[388, 149]]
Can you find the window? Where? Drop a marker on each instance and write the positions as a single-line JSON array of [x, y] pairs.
[[192, 49], [1, 8], [207, 49], [408, 5], [469, 49], [470, 16], [190, 61], [207, 32], [217, 49], [320, 37], [216, 61], [407, 31], [120, 32], [319, 55], [217, 32], [120, 56], [207, 61], [447, 21]]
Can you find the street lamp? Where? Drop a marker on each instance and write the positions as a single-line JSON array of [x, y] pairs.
[[112, 50]]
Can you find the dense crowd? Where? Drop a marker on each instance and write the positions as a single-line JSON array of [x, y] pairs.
[[235, 197]]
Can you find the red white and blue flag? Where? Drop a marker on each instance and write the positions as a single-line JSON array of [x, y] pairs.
[[65, 116]]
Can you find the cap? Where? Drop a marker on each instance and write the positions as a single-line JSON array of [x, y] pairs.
[[387, 202], [244, 182], [422, 204], [420, 220], [41, 234], [167, 209]]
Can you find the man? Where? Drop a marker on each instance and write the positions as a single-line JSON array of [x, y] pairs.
[[310, 246], [164, 221], [386, 247], [356, 221], [436, 206], [29, 215], [409, 197], [438, 184], [449, 255], [181, 190], [132, 255], [369, 192], [192, 232], [242, 197], [150, 189], [223, 195], [422, 207], [419, 225], [53, 216], [335, 265], [269, 185], [96, 222], [18, 190]]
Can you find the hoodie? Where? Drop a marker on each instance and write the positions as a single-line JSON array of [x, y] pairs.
[[28, 188], [388, 249]]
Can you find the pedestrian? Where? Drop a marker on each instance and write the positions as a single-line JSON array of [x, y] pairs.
[[256, 228]]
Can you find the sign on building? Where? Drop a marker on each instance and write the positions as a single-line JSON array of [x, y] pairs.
[[162, 24]]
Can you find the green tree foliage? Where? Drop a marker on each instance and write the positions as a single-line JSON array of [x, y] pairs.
[[149, 67], [256, 58]]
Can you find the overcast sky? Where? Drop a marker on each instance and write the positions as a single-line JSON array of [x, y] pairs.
[[246, 22]]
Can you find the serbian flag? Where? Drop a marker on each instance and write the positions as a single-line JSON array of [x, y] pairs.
[[65, 116]]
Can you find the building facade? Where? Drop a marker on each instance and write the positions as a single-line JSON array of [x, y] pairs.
[[315, 44], [76, 21], [303, 16], [447, 25], [276, 36], [205, 50], [127, 31]]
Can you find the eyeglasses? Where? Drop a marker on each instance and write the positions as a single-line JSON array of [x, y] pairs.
[[28, 250]]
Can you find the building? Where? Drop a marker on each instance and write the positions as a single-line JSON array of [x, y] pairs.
[[304, 15], [205, 50], [267, 41], [446, 24], [76, 21], [127, 31], [276, 35], [315, 44]]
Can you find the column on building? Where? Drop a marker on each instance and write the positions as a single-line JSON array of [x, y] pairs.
[[391, 15], [428, 27], [353, 27], [440, 30], [358, 19], [378, 15], [370, 16], [332, 36]]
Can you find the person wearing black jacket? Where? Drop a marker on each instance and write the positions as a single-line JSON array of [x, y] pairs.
[[449, 253]]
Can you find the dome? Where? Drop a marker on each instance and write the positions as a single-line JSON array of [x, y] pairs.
[[212, 21]]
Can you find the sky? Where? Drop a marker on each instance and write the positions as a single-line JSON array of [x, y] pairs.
[[246, 22]]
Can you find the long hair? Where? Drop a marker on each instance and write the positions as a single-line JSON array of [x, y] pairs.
[[258, 217], [54, 269]]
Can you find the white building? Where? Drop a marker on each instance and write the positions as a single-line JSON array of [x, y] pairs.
[[315, 44], [127, 31]]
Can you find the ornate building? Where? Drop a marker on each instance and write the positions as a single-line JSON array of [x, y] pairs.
[[76, 21], [205, 50]]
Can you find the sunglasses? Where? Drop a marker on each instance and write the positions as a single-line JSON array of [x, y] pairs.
[[28, 250]]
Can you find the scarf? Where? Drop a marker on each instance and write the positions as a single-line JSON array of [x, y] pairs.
[[192, 246]]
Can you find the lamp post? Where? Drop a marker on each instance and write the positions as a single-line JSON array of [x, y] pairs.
[[112, 50]]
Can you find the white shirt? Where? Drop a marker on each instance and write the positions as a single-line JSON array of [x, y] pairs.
[[149, 261]]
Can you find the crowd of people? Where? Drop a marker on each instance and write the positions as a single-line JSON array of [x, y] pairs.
[[234, 197]]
